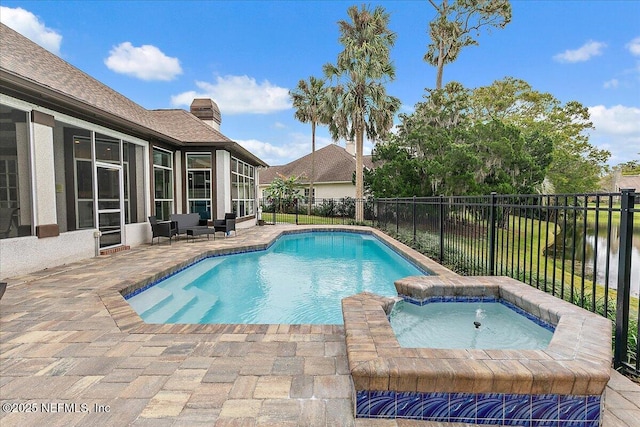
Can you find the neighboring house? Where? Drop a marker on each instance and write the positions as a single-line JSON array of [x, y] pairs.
[[615, 182], [334, 171], [82, 166], [624, 182]]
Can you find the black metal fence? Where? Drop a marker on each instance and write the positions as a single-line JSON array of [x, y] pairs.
[[584, 248], [319, 211]]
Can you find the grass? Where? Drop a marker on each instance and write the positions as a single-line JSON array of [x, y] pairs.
[[304, 219]]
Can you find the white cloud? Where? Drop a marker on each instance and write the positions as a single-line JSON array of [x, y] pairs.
[[27, 24], [611, 84], [634, 46], [616, 120], [297, 145], [583, 53], [238, 95], [272, 154], [617, 129], [146, 62], [279, 125]]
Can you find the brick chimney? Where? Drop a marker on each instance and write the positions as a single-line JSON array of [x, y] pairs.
[[207, 111]]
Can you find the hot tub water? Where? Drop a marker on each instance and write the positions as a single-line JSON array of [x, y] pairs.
[[485, 325]]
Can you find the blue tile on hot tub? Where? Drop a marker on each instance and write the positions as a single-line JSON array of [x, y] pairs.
[[517, 407], [462, 407], [518, 423], [435, 406], [579, 424], [382, 404], [545, 406], [573, 408], [594, 406], [409, 405], [362, 403], [490, 406]]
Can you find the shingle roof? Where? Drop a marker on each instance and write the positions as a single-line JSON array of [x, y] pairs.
[[629, 181], [184, 126], [333, 164], [25, 60]]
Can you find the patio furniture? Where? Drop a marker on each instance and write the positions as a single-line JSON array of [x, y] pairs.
[[162, 229], [193, 232], [8, 217], [226, 225], [191, 221]]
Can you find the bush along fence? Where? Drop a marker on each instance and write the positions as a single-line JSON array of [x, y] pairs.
[[583, 248]]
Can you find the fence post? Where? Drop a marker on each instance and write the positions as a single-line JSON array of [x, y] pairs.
[[627, 200], [295, 202], [492, 235], [414, 219], [441, 255], [397, 218]]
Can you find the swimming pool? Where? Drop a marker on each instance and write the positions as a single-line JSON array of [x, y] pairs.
[[300, 279]]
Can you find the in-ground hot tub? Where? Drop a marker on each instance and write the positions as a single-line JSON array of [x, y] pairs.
[[561, 385]]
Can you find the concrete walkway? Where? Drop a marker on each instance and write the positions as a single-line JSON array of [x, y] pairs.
[[71, 354]]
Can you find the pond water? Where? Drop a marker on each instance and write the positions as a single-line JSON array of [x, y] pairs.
[[607, 254]]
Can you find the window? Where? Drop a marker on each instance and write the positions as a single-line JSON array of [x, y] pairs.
[[134, 179], [15, 173], [163, 183], [84, 182], [306, 194], [242, 188], [199, 184]]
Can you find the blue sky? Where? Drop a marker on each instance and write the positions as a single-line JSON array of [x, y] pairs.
[[248, 55]]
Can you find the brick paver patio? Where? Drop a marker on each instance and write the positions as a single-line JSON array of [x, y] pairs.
[[72, 354]]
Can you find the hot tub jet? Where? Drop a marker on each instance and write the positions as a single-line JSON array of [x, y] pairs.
[[476, 324]]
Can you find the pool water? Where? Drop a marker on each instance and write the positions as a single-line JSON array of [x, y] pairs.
[[486, 325], [300, 279]]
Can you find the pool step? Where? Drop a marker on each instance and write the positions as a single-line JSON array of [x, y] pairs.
[[163, 311], [186, 277], [149, 298], [196, 309]]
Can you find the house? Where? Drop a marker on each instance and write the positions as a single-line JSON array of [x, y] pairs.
[[82, 166], [624, 182], [334, 171]]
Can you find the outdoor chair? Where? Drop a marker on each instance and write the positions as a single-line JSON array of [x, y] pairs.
[[8, 217], [162, 229], [226, 225]]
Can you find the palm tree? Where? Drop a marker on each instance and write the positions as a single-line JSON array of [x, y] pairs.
[[359, 100], [309, 98]]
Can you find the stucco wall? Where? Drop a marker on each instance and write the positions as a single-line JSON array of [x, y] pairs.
[[138, 234], [332, 190], [22, 255]]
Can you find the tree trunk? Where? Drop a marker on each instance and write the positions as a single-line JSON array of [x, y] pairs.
[[313, 164], [440, 66], [359, 176]]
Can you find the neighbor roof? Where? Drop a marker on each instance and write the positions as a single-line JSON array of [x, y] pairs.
[[31, 69], [333, 164], [629, 181]]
